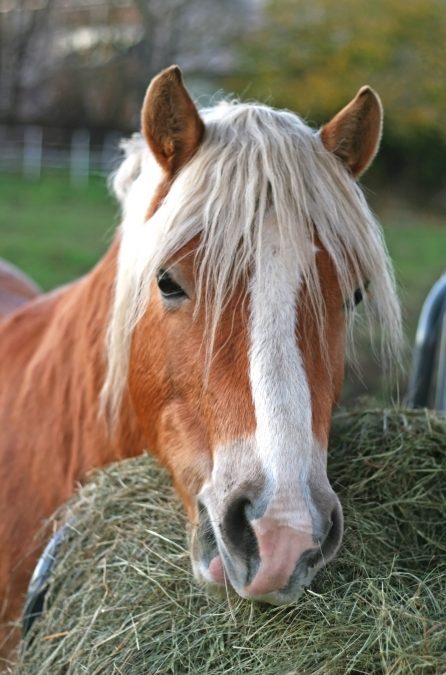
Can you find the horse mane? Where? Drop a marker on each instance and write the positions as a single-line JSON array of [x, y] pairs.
[[254, 160]]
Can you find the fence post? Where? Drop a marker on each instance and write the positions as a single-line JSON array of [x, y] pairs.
[[109, 151], [32, 152], [80, 157], [440, 390]]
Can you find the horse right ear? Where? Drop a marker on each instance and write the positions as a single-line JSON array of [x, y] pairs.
[[170, 121], [354, 133]]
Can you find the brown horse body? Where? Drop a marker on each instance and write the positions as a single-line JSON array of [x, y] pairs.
[[52, 355], [244, 435], [15, 288]]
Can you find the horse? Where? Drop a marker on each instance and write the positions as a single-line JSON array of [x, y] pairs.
[[16, 288], [212, 333]]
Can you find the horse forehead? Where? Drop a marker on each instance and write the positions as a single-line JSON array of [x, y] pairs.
[[275, 279]]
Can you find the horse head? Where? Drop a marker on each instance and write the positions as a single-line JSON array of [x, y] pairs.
[[245, 244]]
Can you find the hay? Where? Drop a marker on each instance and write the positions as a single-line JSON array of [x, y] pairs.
[[123, 599]]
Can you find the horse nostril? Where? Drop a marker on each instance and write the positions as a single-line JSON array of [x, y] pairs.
[[235, 521], [237, 529]]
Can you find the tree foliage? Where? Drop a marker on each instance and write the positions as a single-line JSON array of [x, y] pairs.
[[313, 55]]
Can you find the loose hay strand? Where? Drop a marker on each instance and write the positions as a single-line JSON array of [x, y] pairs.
[[123, 600]]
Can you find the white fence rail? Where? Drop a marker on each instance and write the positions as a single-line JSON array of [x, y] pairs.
[[30, 150]]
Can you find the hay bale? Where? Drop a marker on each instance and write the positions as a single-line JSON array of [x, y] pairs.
[[123, 600]]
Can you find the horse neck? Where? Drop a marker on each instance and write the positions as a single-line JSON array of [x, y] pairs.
[[52, 433]]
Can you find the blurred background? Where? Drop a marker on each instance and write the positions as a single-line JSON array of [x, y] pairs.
[[73, 74]]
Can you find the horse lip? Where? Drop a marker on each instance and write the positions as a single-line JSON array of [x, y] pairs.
[[276, 598], [300, 579]]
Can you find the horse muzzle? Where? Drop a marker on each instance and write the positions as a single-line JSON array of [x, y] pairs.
[[263, 558]]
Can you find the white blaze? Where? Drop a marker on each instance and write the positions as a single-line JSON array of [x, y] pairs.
[[284, 437], [275, 468]]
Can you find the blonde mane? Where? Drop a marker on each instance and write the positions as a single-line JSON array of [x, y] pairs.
[[254, 160]]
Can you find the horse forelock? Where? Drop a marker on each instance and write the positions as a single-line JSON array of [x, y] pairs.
[[253, 161]]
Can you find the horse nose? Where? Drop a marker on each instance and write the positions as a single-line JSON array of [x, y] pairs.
[[290, 557], [276, 554]]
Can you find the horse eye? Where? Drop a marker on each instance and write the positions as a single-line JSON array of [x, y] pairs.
[[168, 287], [357, 296]]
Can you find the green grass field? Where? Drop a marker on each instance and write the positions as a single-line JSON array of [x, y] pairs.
[[53, 231], [56, 232]]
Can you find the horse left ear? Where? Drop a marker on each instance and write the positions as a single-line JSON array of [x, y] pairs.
[[170, 120], [354, 133]]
